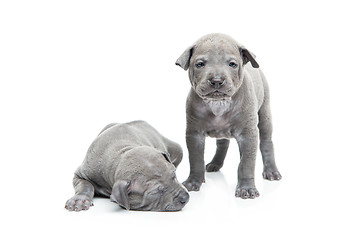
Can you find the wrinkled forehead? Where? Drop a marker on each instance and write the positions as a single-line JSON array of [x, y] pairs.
[[165, 172], [156, 175], [216, 48], [158, 167]]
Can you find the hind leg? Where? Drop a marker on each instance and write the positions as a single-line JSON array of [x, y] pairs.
[[217, 162], [175, 151], [266, 145], [84, 193]]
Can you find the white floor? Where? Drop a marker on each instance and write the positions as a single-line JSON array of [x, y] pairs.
[[316, 198]]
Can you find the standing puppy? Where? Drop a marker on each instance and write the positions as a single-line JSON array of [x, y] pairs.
[[228, 99]]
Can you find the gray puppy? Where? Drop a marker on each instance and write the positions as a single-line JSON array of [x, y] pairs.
[[228, 99], [133, 165]]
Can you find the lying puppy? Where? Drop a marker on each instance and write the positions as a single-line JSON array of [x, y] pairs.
[[228, 99], [133, 165]]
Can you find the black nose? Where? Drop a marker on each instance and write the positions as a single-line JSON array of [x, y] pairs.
[[183, 197], [216, 82]]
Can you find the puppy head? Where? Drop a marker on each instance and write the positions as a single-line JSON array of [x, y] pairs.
[[147, 181], [215, 63]]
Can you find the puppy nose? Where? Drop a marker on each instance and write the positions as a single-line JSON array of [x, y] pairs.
[[183, 197], [216, 82]]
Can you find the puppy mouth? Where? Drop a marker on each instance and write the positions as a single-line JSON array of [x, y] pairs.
[[216, 95], [172, 208]]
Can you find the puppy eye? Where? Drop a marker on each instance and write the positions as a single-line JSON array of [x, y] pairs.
[[200, 64], [233, 65]]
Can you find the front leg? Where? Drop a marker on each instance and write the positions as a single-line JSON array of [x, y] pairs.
[[195, 143], [248, 147], [84, 193]]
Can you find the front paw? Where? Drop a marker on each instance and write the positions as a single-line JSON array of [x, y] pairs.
[[271, 174], [193, 184], [78, 203], [246, 191]]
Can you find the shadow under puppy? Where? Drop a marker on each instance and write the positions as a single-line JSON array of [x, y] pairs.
[[134, 165], [229, 98]]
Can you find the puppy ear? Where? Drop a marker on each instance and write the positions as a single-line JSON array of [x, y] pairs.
[[184, 60], [247, 56], [120, 193], [166, 156]]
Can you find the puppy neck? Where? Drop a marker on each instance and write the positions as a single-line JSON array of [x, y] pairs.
[[218, 108]]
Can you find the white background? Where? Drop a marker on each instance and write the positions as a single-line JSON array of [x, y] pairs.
[[68, 68]]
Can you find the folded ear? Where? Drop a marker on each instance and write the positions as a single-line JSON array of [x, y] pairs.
[[184, 60], [247, 56], [120, 193], [166, 156]]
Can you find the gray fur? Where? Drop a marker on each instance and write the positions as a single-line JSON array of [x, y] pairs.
[[133, 165], [228, 99]]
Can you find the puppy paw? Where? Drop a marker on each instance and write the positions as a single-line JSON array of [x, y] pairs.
[[212, 167], [246, 190], [193, 184], [78, 203], [270, 174]]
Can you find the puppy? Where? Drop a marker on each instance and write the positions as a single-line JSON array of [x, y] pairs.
[[133, 165], [229, 98]]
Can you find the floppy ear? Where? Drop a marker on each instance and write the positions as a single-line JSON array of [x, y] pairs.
[[184, 60], [166, 156], [120, 193], [247, 56]]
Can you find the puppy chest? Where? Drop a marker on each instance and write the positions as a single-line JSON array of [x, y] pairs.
[[219, 134], [219, 128]]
